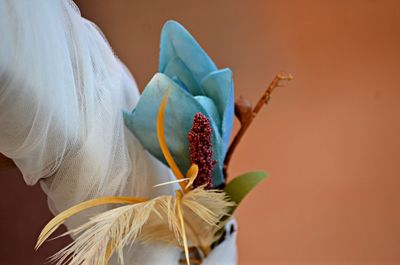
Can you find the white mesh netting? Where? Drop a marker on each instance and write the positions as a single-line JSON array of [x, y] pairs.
[[62, 92]]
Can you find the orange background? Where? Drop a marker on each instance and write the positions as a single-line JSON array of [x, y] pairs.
[[329, 139]]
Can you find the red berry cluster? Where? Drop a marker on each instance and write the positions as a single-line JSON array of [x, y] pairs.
[[200, 139]]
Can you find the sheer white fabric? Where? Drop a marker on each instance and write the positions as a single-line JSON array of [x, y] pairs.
[[62, 92]]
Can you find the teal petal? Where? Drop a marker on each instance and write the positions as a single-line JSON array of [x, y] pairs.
[[211, 109], [176, 69], [181, 108], [176, 41], [218, 86]]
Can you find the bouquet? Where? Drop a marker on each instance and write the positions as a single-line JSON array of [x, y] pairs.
[[184, 118]]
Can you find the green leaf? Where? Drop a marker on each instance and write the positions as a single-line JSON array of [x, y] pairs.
[[240, 186], [237, 189]]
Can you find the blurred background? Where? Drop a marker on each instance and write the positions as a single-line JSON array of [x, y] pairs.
[[329, 139]]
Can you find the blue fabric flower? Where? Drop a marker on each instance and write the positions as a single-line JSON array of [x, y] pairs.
[[195, 85]]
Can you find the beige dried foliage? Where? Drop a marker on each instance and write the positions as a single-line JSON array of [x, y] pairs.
[[155, 220]]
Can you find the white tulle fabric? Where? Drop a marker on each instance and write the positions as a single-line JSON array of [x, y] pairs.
[[62, 92]]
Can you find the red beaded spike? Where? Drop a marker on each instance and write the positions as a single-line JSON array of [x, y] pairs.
[[200, 139]]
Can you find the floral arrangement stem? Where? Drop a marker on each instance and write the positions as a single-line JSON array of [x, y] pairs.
[[246, 120]]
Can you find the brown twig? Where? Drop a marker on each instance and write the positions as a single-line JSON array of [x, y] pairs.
[[246, 123]]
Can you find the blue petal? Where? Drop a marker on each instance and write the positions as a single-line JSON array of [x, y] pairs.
[[211, 109], [176, 41], [176, 68], [218, 86], [179, 115]]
